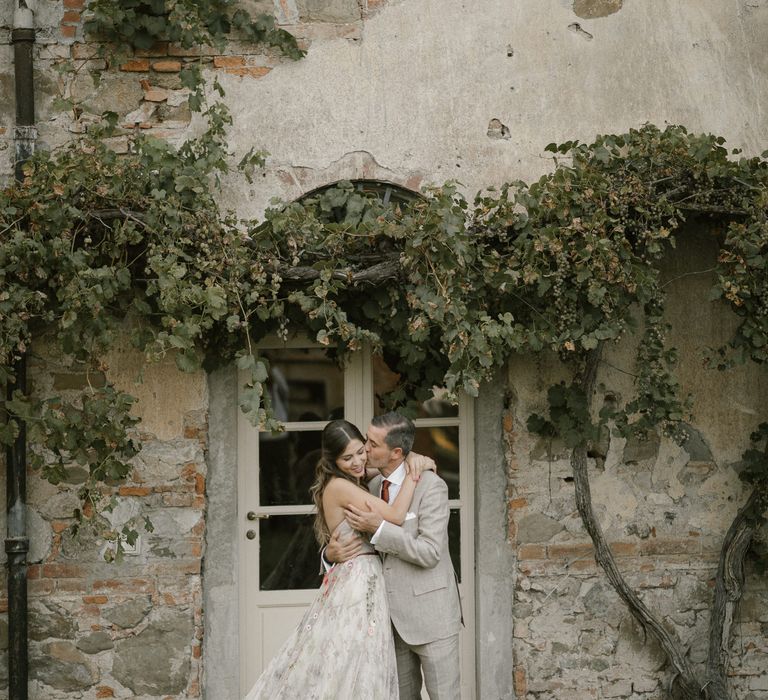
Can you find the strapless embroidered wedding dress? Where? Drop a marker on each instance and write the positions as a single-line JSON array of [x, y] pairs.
[[343, 647]]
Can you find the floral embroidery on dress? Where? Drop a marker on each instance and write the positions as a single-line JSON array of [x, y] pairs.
[[343, 647]]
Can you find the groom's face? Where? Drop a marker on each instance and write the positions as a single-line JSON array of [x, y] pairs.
[[379, 455]]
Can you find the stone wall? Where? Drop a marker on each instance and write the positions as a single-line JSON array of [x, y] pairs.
[[134, 628], [664, 506]]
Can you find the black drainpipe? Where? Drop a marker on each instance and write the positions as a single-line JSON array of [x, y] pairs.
[[17, 542]]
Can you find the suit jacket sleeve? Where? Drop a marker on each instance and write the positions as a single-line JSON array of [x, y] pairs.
[[424, 546]]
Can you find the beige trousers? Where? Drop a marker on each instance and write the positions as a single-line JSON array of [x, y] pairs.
[[436, 660]]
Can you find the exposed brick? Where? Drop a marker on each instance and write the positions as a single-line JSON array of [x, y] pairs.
[[671, 546], [71, 16], [64, 571], [567, 551], [104, 691], [582, 565], [74, 4], [250, 71], [134, 491], [521, 682], [135, 585], [199, 483], [95, 599], [59, 525], [624, 549], [68, 31], [40, 587], [228, 61], [166, 66], [532, 551], [137, 65], [70, 585]]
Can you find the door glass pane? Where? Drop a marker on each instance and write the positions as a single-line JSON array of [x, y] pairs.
[[454, 540], [287, 464], [442, 444], [289, 557], [385, 381], [305, 385]]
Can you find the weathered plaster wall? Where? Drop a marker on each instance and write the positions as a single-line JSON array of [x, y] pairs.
[[418, 85]]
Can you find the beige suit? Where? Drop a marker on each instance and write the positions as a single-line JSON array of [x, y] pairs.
[[422, 593]]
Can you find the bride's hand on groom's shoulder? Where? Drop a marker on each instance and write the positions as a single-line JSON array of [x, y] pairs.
[[415, 464]]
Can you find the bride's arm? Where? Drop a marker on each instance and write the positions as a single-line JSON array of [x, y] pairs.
[[416, 464], [342, 493]]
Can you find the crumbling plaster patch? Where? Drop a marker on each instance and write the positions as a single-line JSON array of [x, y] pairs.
[[592, 9]]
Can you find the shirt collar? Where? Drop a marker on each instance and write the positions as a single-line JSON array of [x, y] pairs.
[[397, 476]]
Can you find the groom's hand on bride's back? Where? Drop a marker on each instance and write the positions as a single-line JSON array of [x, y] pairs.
[[342, 547]]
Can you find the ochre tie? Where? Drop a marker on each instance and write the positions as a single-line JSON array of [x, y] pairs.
[[385, 491]]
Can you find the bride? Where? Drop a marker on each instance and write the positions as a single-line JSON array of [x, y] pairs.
[[343, 647]]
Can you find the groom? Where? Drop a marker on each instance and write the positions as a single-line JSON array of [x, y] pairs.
[[421, 586]]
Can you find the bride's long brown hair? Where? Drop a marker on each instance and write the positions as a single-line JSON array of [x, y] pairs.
[[336, 436]]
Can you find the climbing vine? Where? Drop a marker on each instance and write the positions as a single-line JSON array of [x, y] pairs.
[[445, 287], [140, 24]]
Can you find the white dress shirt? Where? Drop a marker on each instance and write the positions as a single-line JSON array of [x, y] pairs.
[[395, 480]]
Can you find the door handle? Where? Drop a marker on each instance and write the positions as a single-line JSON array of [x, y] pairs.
[[253, 516]]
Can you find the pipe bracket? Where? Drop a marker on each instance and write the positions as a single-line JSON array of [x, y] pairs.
[[17, 545]]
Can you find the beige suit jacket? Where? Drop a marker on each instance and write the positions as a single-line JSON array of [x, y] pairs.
[[421, 585]]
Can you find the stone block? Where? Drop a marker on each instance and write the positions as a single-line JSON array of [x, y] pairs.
[[95, 642], [63, 667], [157, 661], [537, 527], [114, 92], [644, 685], [617, 689], [334, 11], [128, 614], [50, 621]]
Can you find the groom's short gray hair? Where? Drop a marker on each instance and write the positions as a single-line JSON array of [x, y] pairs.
[[400, 430]]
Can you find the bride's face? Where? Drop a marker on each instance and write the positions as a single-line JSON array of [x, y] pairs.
[[352, 459]]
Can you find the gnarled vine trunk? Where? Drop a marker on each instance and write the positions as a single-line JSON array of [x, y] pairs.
[[729, 587], [729, 584]]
